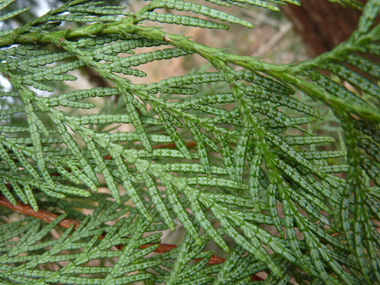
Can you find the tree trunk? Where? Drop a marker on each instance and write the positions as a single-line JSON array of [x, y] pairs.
[[322, 24]]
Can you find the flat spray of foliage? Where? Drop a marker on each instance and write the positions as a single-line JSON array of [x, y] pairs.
[[223, 153]]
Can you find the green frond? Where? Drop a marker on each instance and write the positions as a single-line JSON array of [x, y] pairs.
[[183, 20], [170, 129], [370, 12], [240, 153], [307, 140], [13, 14], [277, 165], [72, 241], [199, 9], [75, 150]]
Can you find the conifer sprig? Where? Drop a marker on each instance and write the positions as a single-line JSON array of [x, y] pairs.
[[236, 163]]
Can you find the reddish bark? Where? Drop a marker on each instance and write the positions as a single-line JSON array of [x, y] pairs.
[[48, 217], [40, 214], [322, 24]]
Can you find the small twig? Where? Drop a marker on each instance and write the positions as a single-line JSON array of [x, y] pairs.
[[168, 145], [66, 223], [273, 41], [40, 214]]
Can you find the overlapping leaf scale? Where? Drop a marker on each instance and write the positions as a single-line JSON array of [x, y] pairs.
[[142, 58], [360, 220], [370, 12], [131, 136], [250, 243], [221, 98], [75, 150], [288, 207], [39, 155], [100, 119], [131, 257], [37, 85], [373, 252], [255, 162], [213, 181], [7, 158], [284, 100], [54, 101], [259, 3], [227, 156], [99, 161], [364, 65], [353, 229], [253, 234], [80, 176], [369, 129], [172, 132], [80, 18], [182, 271], [312, 186], [128, 186], [181, 213], [319, 155], [117, 47], [65, 173], [193, 197], [274, 188], [309, 203], [370, 147], [354, 78], [129, 254], [200, 9], [295, 122], [191, 167], [307, 140], [240, 154], [13, 14], [135, 117], [371, 169], [319, 255], [103, 10], [202, 151], [56, 73], [183, 20], [100, 41], [163, 153], [237, 263], [287, 150], [335, 88], [157, 200], [7, 194], [188, 79], [264, 82], [19, 192], [275, 115], [45, 59], [314, 248], [212, 110], [23, 161]]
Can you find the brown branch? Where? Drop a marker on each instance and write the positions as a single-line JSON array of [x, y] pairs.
[[48, 217], [40, 214], [66, 223]]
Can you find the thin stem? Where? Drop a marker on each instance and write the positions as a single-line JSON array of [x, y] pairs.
[[66, 223]]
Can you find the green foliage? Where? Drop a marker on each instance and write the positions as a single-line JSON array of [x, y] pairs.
[[257, 183]]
